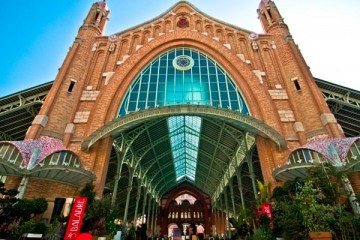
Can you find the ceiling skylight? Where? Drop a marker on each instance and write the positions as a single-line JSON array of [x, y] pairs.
[[184, 138]]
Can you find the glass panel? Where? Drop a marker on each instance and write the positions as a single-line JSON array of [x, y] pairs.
[[152, 87], [152, 96], [151, 104], [234, 105], [222, 87], [171, 70], [162, 70], [162, 79], [195, 70], [132, 106], [153, 79], [154, 69], [144, 87], [133, 96], [221, 78], [141, 105]]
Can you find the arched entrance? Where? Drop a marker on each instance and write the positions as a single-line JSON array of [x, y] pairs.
[[186, 206]]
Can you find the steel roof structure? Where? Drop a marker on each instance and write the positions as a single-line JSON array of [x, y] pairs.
[[217, 145]]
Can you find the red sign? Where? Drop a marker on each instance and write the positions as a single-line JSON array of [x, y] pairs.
[[75, 218]]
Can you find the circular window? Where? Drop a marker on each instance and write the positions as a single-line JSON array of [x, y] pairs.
[[183, 62]]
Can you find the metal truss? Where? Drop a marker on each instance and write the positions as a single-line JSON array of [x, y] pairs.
[[23, 102], [341, 98]]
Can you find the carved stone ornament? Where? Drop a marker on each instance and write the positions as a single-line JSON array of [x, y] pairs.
[[94, 47], [253, 36], [254, 46], [112, 47], [183, 22]]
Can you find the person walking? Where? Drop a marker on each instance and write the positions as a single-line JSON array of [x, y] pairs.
[[200, 232]]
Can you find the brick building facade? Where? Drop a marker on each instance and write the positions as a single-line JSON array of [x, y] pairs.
[[286, 110]]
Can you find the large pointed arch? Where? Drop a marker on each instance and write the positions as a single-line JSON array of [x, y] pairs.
[[121, 80]]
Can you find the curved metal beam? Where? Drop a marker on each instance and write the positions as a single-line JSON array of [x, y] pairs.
[[245, 122]]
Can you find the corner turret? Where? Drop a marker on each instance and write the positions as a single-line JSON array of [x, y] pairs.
[[269, 15], [97, 17]]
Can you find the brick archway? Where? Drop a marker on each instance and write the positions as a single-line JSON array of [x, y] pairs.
[[108, 102]]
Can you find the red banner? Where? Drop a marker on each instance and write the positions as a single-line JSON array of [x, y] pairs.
[[75, 218]]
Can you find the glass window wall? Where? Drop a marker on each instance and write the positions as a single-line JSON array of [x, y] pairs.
[[182, 76]]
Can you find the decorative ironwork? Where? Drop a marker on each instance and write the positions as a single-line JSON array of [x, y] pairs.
[[23, 102]]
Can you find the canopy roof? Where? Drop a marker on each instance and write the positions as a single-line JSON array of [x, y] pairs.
[[44, 158], [343, 153]]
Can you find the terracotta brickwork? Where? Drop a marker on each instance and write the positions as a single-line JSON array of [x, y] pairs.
[[53, 190], [38, 188], [12, 182], [268, 68]]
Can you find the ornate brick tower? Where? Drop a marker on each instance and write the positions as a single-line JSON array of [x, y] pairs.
[[64, 98]]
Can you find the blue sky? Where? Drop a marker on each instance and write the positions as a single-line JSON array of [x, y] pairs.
[[36, 35]]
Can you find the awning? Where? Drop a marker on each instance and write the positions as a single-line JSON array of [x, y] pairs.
[[43, 158], [336, 151]]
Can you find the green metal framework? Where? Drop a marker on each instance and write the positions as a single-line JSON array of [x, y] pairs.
[[219, 134], [18, 110], [344, 103]]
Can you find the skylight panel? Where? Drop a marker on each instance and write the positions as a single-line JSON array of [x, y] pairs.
[[184, 139]]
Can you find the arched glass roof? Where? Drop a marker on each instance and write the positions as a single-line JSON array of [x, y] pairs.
[[177, 77]]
